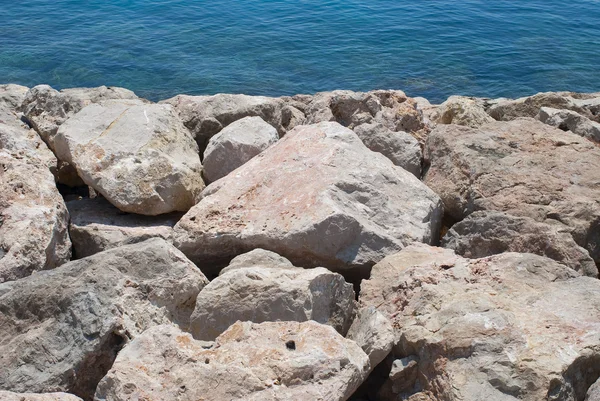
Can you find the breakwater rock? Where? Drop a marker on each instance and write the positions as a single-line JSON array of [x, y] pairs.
[[335, 246]]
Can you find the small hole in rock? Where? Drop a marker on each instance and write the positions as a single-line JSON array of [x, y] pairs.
[[291, 345], [207, 361]]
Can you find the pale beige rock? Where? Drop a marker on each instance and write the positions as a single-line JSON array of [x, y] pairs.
[[593, 393], [568, 120], [60, 329], [507, 327], [10, 396], [374, 333], [524, 168], [258, 258], [259, 294], [12, 95], [138, 156], [318, 197], [266, 362], [509, 109], [96, 226], [237, 143], [462, 110]]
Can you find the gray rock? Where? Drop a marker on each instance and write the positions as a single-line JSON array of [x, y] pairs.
[[96, 226], [401, 148], [404, 373], [318, 197], [593, 393], [282, 361], [506, 327], [259, 294], [10, 396], [237, 143], [462, 110], [61, 329], [374, 333], [488, 233], [568, 120], [524, 168], [508, 109], [291, 117], [138, 156], [12, 95], [258, 258]]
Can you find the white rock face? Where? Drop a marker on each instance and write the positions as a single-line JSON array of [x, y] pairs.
[[374, 333], [568, 120], [462, 110], [259, 294], [237, 143], [60, 329], [138, 156], [10, 396], [282, 361], [258, 258], [96, 226], [318, 197], [12, 95]]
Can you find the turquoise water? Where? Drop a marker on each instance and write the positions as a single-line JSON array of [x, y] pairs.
[[282, 47]]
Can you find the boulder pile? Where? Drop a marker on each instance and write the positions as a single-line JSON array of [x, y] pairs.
[[339, 246]]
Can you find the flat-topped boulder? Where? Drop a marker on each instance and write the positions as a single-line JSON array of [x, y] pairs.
[[61, 329], [568, 120], [267, 362], [10, 396], [318, 197], [12, 95], [508, 109], [261, 294], [524, 168], [506, 327], [138, 156]]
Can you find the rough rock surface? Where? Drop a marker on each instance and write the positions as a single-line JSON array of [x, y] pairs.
[[266, 362], [12, 95], [374, 333], [568, 120], [33, 216], [96, 226], [10, 396], [507, 110], [60, 329], [522, 167], [507, 327], [138, 156], [594, 392], [258, 294], [46, 109], [318, 197], [237, 143], [462, 110], [401, 148], [488, 233], [258, 258]]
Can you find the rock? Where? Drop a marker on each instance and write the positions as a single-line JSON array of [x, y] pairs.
[[568, 120], [33, 216], [258, 294], [462, 110], [12, 95], [61, 329], [488, 233], [138, 156], [374, 333], [97, 226], [258, 258], [404, 373], [506, 327], [205, 116], [237, 143], [401, 148], [590, 103], [593, 393], [508, 109], [291, 117], [318, 197], [524, 168], [267, 362], [46, 109], [9, 396]]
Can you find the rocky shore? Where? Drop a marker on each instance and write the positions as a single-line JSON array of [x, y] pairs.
[[336, 246]]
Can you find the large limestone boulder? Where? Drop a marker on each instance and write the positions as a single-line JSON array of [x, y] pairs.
[[462, 110], [488, 233], [60, 330], [507, 327], [46, 109], [205, 116], [568, 120], [237, 143], [266, 362], [138, 156], [10, 396], [258, 258], [12, 95], [374, 333], [524, 168], [97, 226], [259, 294], [318, 197], [509, 109], [594, 392], [401, 148], [33, 216]]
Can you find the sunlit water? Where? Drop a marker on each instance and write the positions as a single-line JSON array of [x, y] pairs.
[[281, 47]]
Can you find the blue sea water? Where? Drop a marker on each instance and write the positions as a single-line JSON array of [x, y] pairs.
[[431, 48]]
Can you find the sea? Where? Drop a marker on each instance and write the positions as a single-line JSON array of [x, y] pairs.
[[430, 48]]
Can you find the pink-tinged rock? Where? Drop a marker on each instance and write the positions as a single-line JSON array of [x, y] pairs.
[[10, 396]]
